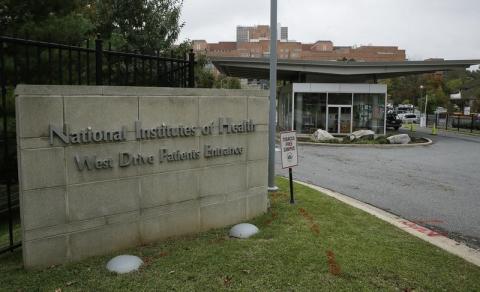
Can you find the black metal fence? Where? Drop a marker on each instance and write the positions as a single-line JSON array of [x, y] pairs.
[[455, 122], [35, 62]]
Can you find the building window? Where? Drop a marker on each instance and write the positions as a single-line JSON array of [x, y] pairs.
[[369, 112], [340, 98], [310, 112]]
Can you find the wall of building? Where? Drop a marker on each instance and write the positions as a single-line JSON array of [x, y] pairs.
[[81, 198], [259, 32], [253, 42], [295, 50]]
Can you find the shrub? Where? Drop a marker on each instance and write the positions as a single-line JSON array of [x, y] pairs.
[[382, 140]]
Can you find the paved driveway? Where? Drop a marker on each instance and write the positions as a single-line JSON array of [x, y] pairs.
[[437, 185]]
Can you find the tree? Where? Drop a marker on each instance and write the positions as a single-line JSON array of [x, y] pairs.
[[437, 86], [46, 20], [404, 88], [144, 25]]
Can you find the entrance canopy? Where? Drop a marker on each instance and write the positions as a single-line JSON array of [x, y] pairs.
[[333, 71]]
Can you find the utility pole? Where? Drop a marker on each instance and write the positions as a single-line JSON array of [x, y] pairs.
[[273, 96]]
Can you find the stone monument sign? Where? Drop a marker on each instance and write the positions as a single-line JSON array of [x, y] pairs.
[[106, 168]]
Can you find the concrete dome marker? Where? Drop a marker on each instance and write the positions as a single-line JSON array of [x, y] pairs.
[[243, 230], [124, 264]]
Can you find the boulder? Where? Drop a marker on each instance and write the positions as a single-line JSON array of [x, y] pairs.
[[399, 139], [362, 134], [322, 135]]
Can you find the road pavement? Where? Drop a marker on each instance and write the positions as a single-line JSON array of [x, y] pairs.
[[437, 186]]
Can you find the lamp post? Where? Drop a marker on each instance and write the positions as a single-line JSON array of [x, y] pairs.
[[424, 122], [426, 98]]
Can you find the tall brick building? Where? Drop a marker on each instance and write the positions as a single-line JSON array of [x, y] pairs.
[[259, 32], [253, 42]]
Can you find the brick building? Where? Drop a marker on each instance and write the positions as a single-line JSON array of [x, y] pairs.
[[253, 42], [259, 32]]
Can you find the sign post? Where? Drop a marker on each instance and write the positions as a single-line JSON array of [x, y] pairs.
[[288, 145]]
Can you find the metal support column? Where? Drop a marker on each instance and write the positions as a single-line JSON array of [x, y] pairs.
[[273, 96]]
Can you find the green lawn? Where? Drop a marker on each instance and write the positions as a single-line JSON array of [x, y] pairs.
[[317, 244]]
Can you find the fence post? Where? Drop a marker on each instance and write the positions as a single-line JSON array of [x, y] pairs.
[[471, 125], [191, 69], [184, 71], [172, 74], [98, 60], [6, 163]]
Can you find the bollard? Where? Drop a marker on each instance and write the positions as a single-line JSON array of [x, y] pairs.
[[471, 125], [412, 127], [434, 129]]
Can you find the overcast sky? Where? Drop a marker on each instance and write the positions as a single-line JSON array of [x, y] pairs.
[[447, 29]]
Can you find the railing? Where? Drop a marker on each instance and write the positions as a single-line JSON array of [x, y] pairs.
[[455, 122], [35, 62]]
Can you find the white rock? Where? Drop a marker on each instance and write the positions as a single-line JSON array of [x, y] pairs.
[[124, 264], [243, 230], [361, 133], [322, 135], [399, 139]]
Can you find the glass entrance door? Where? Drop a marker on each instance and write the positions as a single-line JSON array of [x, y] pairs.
[[332, 122], [339, 119], [345, 120]]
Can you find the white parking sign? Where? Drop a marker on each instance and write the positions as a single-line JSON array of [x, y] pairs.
[[288, 145]]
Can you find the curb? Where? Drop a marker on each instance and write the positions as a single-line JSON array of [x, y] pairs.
[[429, 142], [457, 248], [458, 133]]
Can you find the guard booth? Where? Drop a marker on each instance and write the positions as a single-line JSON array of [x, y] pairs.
[[339, 108]]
